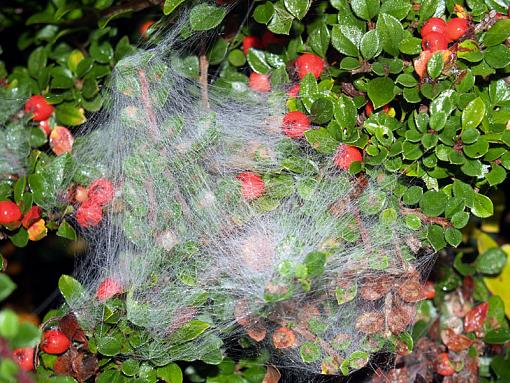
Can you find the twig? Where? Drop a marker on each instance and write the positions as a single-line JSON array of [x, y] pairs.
[[204, 70], [443, 222]]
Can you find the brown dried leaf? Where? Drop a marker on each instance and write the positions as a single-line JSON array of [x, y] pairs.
[[272, 375], [411, 290], [400, 317], [374, 289], [455, 342], [284, 337], [370, 322], [84, 366]]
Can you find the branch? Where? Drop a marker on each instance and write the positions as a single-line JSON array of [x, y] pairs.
[[204, 71], [425, 218]]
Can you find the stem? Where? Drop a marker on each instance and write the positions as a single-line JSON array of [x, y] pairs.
[[204, 70], [443, 222]]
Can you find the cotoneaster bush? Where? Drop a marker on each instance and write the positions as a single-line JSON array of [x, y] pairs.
[[416, 89]]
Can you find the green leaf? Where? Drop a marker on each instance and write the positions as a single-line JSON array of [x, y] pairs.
[[412, 195], [496, 176], [396, 8], [9, 323], [281, 21], [7, 286], [430, 8], [314, 262], [170, 373], [473, 114], [66, 231], [435, 65], [20, 239], [130, 367], [380, 91], [453, 236], [28, 335], [321, 140], [370, 45], [433, 203], [498, 33], [204, 17], [189, 331], [345, 112], [460, 219], [482, 206], [318, 39], [410, 45], [309, 352], [70, 115], [491, 261], [322, 110], [263, 12], [346, 39], [435, 235], [102, 53], [297, 8], [237, 58], [37, 61], [407, 80], [109, 345], [171, 5], [72, 290], [218, 51], [391, 32], [413, 221], [497, 336], [478, 149], [257, 61], [365, 9], [498, 56]]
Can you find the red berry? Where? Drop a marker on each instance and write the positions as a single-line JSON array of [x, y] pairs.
[[252, 185], [251, 42], [369, 109], [455, 28], [32, 216], [39, 107], [24, 357], [309, 63], [259, 82], [81, 194], [101, 191], [44, 125], [295, 124], [145, 27], [89, 214], [61, 140], [108, 288], [55, 342], [475, 317], [429, 291], [434, 24], [269, 38], [443, 365], [345, 155], [386, 108], [294, 91], [9, 212], [434, 41]]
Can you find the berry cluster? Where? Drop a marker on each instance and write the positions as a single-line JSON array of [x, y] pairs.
[[61, 139], [92, 200], [436, 33], [295, 123]]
